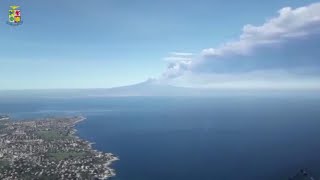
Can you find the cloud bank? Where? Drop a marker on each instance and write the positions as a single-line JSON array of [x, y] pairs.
[[283, 50]]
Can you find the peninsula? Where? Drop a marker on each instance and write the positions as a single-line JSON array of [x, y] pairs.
[[48, 149]]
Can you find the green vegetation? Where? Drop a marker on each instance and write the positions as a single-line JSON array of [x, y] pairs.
[[4, 163], [49, 177], [2, 126], [43, 177], [53, 135], [66, 155]]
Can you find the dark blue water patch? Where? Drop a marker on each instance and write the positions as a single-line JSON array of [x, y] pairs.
[[224, 138]]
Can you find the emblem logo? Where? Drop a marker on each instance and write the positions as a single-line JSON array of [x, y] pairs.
[[14, 16]]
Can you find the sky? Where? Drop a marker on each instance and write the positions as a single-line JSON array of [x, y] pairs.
[[204, 43]]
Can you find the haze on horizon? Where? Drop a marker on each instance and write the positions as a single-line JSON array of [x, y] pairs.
[[203, 44]]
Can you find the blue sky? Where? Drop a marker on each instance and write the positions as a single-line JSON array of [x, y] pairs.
[[108, 43]]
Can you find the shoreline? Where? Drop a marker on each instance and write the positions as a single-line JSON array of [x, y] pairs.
[[110, 172], [108, 164], [51, 147]]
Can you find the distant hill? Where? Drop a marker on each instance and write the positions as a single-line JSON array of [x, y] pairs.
[[146, 88], [149, 88]]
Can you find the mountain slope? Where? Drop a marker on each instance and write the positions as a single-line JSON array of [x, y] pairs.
[[148, 88]]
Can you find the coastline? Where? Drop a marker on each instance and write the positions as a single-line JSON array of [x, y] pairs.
[[108, 164], [110, 172], [50, 148]]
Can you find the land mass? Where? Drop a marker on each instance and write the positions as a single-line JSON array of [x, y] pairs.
[[48, 149]]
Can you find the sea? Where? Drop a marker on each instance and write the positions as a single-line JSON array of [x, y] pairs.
[[193, 138]]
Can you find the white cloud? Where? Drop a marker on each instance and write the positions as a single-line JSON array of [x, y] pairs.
[[176, 62], [177, 58], [181, 54], [269, 79], [289, 41], [290, 24]]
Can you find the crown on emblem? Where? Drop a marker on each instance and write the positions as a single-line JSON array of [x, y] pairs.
[[14, 7]]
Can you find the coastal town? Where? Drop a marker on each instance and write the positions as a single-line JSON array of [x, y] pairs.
[[49, 149]]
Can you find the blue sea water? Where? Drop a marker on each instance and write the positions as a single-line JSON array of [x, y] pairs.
[[188, 138]]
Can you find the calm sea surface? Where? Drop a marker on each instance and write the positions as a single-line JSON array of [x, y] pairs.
[[217, 138]]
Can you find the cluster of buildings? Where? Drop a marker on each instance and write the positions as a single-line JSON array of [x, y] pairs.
[[49, 149]]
